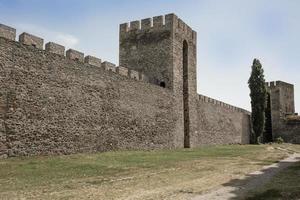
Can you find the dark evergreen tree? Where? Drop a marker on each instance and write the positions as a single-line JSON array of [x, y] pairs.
[[268, 124], [258, 94]]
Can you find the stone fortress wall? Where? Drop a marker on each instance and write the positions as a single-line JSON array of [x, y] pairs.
[[221, 123], [57, 102], [52, 104], [154, 46], [285, 122]]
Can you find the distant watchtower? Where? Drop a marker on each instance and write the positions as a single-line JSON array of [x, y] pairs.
[[282, 105], [164, 49]]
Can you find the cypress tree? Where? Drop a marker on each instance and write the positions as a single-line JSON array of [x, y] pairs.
[[268, 121], [258, 94]]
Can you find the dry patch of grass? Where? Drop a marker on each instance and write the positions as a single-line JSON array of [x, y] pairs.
[[285, 185], [165, 174]]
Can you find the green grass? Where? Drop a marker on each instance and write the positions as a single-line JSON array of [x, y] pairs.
[[285, 185], [47, 170], [35, 177]]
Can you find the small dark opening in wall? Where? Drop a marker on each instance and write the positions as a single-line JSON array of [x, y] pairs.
[[162, 84], [77, 59], [185, 92], [34, 45]]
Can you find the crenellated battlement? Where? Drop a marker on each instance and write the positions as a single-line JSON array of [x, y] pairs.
[[282, 97], [7, 32], [31, 40], [169, 22], [144, 24], [206, 99], [75, 55], [82, 103], [281, 104], [55, 48], [94, 61], [108, 66], [36, 42], [274, 84]]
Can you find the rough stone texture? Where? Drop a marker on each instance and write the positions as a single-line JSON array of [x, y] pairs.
[[144, 78], [134, 74], [4, 90], [122, 71], [289, 131], [147, 51], [157, 52], [53, 105], [146, 23], [158, 21], [91, 60], [31, 40], [221, 124], [57, 106], [75, 55], [7, 32], [283, 105], [109, 66], [55, 48]]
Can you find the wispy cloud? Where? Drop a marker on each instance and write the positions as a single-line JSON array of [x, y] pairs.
[[230, 34], [228, 41], [68, 40]]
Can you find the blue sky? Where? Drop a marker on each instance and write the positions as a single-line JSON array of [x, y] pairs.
[[231, 34]]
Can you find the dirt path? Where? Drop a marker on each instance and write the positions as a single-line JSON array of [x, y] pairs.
[[236, 189]]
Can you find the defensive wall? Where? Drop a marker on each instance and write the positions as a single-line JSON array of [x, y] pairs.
[[285, 122], [54, 101], [221, 123]]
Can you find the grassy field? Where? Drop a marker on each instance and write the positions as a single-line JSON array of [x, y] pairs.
[[285, 185], [165, 174]]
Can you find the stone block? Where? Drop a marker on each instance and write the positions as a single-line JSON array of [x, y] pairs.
[[158, 21], [7, 32], [91, 60], [55, 48], [124, 28], [75, 55], [31, 40], [122, 71], [135, 25], [134, 74], [146, 23], [108, 66]]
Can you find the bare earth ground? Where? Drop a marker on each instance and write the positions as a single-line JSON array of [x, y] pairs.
[[252, 181], [174, 174]]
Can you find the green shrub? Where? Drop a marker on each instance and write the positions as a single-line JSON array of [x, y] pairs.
[[260, 140]]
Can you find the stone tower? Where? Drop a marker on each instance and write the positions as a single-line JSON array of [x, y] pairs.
[[164, 49], [282, 105]]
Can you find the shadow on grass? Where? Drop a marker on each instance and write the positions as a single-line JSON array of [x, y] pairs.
[[253, 186]]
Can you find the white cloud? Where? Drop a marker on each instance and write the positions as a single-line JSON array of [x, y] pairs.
[[228, 41], [230, 34], [65, 39]]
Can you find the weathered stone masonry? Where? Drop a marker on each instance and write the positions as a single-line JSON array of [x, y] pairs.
[[283, 112], [52, 104], [221, 123]]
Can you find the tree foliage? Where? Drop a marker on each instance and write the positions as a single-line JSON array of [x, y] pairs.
[[268, 121], [258, 94]]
